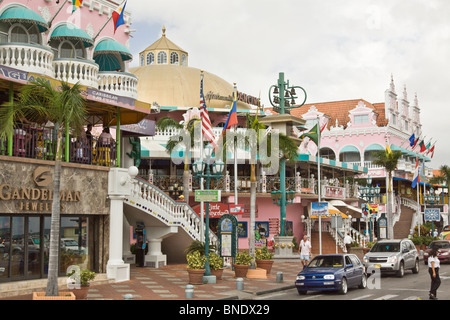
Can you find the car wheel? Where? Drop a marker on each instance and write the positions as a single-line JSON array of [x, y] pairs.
[[363, 283], [301, 292], [416, 267], [344, 287], [401, 270]]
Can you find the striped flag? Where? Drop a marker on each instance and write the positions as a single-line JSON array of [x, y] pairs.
[[76, 4], [206, 122], [117, 16], [416, 178]]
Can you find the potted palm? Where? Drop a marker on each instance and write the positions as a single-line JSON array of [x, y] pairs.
[[196, 267], [81, 291], [216, 265], [264, 259], [242, 263]]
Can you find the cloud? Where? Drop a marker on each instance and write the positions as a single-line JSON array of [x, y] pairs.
[[336, 50]]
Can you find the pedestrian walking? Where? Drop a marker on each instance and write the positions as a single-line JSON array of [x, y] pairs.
[[348, 242], [305, 250], [433, 270]]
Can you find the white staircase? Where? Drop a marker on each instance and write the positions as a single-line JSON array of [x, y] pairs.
[[163, 213]]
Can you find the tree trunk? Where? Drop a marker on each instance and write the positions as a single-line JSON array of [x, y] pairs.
[[53, 262], [251, 238], [186, 186]]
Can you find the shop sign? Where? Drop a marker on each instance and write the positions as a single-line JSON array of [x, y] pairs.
[[334, 192], [237, 209], [37, 198]]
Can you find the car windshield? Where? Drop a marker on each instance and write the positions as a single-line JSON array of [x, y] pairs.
[[440, 245], [327, 262], [385, 247], [446, 228], [70, 243]]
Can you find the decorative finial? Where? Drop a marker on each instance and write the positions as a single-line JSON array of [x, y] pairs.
[[392, 83], [164, 31]]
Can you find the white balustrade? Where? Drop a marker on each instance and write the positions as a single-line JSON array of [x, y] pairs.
[[118, 83], [73, 70], [145, 195], [27, 57]]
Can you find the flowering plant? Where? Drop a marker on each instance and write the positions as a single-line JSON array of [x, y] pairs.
[[244, 258], [195, 260], [263, 254]]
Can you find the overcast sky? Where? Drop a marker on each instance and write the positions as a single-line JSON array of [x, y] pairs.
[[334, 49]]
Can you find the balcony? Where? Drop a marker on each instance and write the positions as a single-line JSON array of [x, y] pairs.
[[39, 142], [118, 83], [27, 57], [73, 70]]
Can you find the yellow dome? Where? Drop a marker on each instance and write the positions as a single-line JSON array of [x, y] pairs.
[[178, 87]]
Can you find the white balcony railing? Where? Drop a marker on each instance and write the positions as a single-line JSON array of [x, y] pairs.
[[73, 70], [118, 83], [27, 57]]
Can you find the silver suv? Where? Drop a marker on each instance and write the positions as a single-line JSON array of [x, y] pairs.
[[393, 256]]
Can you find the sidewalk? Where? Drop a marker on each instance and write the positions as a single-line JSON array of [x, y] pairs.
[[169, 283]]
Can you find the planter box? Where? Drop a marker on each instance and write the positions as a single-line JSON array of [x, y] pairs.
[[196, 276], [64, 295], [240, 270], [218, 273], [265, 264]]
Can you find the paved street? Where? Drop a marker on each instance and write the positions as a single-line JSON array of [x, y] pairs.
[[410, 287]]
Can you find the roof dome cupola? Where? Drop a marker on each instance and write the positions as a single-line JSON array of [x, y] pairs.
[[163, 51]]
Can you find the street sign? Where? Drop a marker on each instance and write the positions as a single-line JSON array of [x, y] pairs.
[[432, 214], [208, 195], [319, 208]]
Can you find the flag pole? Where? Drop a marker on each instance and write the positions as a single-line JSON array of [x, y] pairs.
[[98, 33], [235, 155], [57, 12], [319, 197], [202, 209]]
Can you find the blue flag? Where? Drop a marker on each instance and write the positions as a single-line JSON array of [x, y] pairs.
[[412, 140]]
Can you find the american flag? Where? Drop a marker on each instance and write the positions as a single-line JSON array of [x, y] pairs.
[[206, 123]]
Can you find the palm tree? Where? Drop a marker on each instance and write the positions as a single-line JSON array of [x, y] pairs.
[[288, 149], [443, 178], [40, 102], [389, 160], [186, 140]]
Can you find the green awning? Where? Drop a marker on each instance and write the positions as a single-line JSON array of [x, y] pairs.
[[374, 147], [145, 153], [349, 149], [68, 31], [24, 15], [110, 46]]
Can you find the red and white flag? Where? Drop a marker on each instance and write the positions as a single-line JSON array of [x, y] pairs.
[[206, 122]]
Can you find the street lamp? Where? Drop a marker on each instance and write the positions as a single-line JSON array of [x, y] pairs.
[[198, 168], [282, 98], [431, 198], [369, 193]]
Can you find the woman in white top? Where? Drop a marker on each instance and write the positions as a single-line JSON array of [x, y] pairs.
[[433, 270]]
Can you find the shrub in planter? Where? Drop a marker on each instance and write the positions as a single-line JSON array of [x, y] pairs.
[[86, 276], [242, 263], [196, 267], [216, 265]]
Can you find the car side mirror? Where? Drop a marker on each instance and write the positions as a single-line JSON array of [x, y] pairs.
[[405, 251], [350, 265]]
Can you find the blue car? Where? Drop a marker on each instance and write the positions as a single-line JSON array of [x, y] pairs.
[[332, 272]]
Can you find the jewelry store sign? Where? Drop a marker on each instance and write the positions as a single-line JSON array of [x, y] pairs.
[[39, 197]]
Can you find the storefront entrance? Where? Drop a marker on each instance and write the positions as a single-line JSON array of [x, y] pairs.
[[25, 242]]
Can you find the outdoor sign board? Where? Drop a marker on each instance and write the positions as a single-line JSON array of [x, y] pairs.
[[208, 195], [432, 214], [227, 233], [319, 208]]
